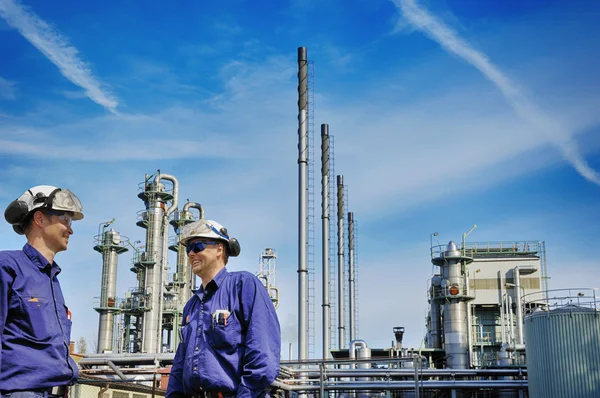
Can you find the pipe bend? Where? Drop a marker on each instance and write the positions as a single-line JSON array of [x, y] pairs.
[[175, 182], [194, 205]]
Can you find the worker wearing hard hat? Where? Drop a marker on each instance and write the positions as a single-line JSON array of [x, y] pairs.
[[35, 324], [230, 339]]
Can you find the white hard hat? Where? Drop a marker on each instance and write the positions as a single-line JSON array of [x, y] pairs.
[[41, 197], [210, 230]]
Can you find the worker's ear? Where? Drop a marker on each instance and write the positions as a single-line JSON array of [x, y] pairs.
[[38, 218]]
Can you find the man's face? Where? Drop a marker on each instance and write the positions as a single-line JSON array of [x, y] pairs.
[[57, 230], [206, 260]]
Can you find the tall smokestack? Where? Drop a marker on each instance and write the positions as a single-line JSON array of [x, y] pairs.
[[341, 290], [325, 236], [351, 308], [302, 203]]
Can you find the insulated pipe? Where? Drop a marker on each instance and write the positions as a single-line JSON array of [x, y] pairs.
[[407, 385], [502, 321], [116, 370], [517, 277], [325, 237], [504, 360], [175, 182], [352, 351], [183, 262], [423, 373], [354, 345], [341, 285], [351, 302], [194, 205], [435, 319], [511, 322], [302, 203], [164, 266]]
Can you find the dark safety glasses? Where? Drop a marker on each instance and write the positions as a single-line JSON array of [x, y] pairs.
[[197, 246]]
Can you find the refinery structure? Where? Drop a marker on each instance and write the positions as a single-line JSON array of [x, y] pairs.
[[494, 329]]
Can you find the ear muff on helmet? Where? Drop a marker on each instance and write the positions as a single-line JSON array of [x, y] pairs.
[[18, 228], [16, 212], [233, 248]]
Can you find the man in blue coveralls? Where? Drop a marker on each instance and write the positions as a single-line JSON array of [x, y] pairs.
[[35, 323], [230, 337]]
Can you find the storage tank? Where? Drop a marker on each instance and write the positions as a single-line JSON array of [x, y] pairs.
[[562, 342]]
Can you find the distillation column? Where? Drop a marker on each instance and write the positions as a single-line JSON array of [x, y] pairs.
[[110, 245], [155, 198], [453, 294], [267, 274]]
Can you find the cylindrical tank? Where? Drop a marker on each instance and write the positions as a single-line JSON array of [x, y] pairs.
[[563, 346]]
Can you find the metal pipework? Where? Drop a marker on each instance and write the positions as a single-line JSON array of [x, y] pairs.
[[341, 285], [351, 299], [325, 237], [435, 321], [502, 319], [388, 385], [183, 262], [302, 203], [517, 277], [175, 182], [164, 265], [110, 246]]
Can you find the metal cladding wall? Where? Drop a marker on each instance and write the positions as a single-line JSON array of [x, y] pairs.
[[563, 353]]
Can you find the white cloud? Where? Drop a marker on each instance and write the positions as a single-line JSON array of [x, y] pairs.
[[7, 90], [58, 50], [523, 106]]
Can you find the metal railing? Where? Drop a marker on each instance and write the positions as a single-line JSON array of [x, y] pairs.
[[451, 291], [375, 377], [571, 300], [499, 248]]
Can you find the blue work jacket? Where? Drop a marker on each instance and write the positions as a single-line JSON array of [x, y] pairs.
[[230, 339], [34, 323]]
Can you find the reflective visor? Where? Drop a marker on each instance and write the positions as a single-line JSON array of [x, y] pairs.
[[67, 201]]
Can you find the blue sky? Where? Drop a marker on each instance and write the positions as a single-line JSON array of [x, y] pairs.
[[445, 114]]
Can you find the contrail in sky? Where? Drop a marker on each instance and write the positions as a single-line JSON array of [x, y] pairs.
[[422, 20], [57, 49]]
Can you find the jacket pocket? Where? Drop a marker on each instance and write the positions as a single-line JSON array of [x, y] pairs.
[[37, 317]]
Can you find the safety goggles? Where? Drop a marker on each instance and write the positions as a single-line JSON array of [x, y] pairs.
[[197, 246], [63, 217]]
